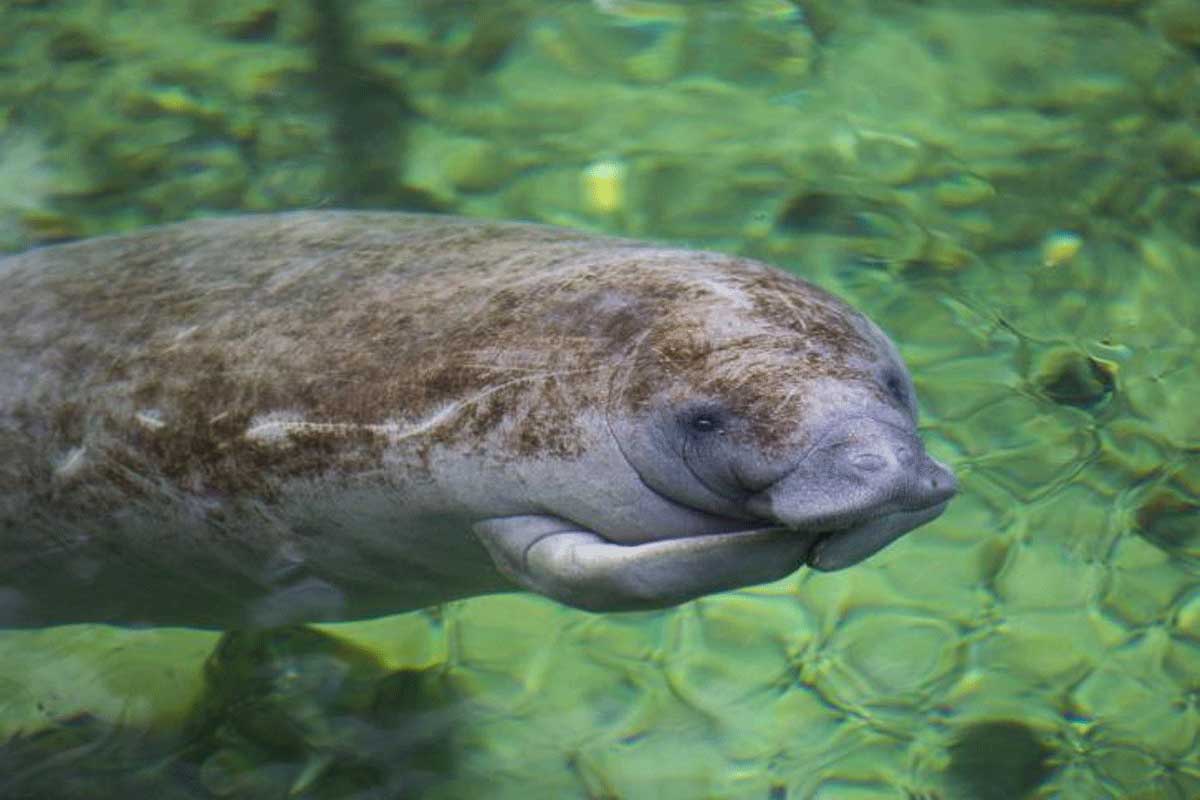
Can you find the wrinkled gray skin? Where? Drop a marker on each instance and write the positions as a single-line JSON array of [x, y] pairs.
[[334, 415]]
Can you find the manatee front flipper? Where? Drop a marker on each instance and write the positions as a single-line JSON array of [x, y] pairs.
[[552, 556]]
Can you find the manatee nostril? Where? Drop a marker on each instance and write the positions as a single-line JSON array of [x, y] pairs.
[[942, 485]]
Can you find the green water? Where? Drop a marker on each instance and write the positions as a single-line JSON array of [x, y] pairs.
[[1012, 190]]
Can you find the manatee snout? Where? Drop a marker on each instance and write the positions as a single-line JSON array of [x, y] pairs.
[[889, 465], [866, 482]]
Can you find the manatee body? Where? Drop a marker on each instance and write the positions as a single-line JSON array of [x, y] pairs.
[[337, 415]]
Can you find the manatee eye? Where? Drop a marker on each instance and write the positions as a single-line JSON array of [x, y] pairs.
[[704, 420]]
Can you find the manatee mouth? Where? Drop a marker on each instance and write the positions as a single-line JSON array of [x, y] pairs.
[[839, 548], [835, 548], [854, 501]]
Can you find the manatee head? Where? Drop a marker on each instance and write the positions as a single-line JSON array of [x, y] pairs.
[[756, 397]]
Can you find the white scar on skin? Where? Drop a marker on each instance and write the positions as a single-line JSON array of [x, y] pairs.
[[71, 464], [276, 428], [151, 418]]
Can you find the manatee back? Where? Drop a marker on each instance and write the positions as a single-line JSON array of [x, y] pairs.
[[231, 316], [138, 368]]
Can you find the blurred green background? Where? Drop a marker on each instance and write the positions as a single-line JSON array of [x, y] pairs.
[[1011, 189]]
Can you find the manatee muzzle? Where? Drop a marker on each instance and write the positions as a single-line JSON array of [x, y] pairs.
[[839, 549], [866, 483]]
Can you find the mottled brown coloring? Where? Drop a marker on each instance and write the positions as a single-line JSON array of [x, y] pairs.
[[370, 319]]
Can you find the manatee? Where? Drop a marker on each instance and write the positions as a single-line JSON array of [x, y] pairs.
[[332, 415]]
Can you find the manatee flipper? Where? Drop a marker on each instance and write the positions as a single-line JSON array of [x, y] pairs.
[[556, 558]]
